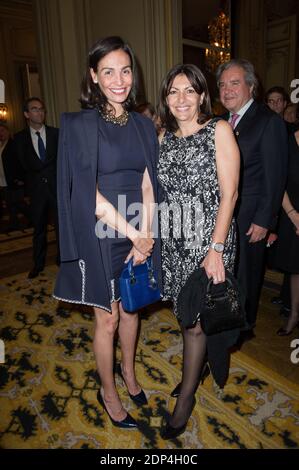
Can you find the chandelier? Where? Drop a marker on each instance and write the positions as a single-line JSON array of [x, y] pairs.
[[3, 112], [219, 39]]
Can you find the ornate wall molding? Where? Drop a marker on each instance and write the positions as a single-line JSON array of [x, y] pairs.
[[281, 52]]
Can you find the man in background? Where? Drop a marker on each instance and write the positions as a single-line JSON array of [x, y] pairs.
[[277, 99], [36, 148], [262, 138]]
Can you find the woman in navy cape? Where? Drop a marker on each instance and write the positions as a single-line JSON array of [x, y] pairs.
[[106, 170]]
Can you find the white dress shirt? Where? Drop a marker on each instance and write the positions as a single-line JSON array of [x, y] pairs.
[[241, 112]]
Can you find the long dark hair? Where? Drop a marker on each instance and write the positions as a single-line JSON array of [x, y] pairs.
[[198, 82], [91, 94]]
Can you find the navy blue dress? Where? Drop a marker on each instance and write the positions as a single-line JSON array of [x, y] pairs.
[[93, 152], [121, 165]]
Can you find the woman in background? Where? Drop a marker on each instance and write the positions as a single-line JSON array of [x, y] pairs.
[[285, 254]]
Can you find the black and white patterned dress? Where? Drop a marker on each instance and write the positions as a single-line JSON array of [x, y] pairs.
[[187, 173]]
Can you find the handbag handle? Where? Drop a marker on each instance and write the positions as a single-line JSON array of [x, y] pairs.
[[150, 269], [149, 263], [210, 283]]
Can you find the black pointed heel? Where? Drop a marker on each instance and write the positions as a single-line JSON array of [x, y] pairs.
[[139, 399], [204, 374], [128, 422], [169, 432]]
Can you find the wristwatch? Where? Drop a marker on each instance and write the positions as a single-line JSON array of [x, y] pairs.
[[219, 247]]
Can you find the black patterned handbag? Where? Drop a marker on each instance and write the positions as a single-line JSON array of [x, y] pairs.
[[222, 308], [218, 307]]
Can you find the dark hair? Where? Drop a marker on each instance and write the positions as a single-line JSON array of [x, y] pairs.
[[250, 76], [145, 106], [293, 105], [28, 101], [91, 94], [280, 90], [198, 82]]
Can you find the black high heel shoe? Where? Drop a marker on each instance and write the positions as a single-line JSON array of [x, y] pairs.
[[205, 372], [139, 399], [128, 422], [169, 432]]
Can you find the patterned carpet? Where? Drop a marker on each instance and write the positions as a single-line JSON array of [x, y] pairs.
[[48, 384]]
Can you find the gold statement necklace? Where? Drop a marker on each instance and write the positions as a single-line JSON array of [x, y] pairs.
[[108, 116]]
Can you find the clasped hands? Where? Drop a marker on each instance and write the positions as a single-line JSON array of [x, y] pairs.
[[143, 244]]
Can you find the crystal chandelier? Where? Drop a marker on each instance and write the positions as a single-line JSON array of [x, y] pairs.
[[219, 39]]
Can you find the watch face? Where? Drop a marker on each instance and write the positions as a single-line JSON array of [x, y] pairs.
[[219, 247]]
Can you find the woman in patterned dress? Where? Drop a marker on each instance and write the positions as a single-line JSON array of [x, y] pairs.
[[198, 168]]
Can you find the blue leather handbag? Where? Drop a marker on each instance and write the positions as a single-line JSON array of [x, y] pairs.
[[138, 286]]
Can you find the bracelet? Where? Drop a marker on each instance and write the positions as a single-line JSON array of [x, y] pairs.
[[292, 210]]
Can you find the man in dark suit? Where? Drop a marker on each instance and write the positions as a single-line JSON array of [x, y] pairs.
[[262, 139], [11, 181], [36, 148]]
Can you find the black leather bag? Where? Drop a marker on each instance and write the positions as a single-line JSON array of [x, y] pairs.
[[218, 307], [222, 308]]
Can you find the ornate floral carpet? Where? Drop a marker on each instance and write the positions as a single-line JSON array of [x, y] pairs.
[[48, 384]]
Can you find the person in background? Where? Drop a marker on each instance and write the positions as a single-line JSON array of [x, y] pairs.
[[291, 116], [12, 182], [107, 153], [262, 139], [36, 150], [277, 99], [285, 251], [147, 109]]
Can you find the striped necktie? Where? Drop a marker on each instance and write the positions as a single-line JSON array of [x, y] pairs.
[[233, 119]]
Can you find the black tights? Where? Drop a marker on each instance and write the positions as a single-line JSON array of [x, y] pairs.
[[194, 353], [294, 315]]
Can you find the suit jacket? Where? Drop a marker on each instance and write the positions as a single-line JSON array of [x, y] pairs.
[[11, 166], [81, 278], [262, 138], [36, 170]]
